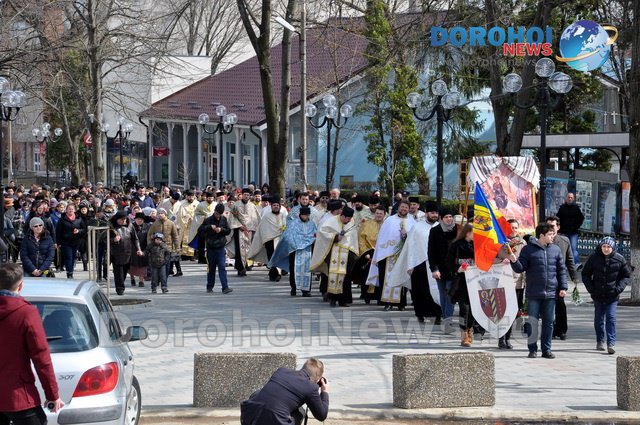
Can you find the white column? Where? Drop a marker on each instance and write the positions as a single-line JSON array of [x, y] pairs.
[[170, 144], [219, 178], [150, 159], [200, 158], [239, 159], [263, 159], [185, 155]]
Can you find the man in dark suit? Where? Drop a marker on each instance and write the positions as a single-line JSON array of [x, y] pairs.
[[279, 401]]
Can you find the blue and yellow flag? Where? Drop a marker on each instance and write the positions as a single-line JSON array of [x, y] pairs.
[[488, 233]]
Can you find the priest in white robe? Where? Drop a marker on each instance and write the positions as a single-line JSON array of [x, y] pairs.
[[391, 239], [412, 268]]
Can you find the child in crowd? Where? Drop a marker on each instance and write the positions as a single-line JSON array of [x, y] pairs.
[[158, 255]]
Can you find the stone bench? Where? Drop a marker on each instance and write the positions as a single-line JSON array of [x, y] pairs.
[[443, 380], [627, 379], [226, 379]]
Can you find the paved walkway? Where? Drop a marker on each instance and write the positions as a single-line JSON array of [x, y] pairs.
[[357, 345]]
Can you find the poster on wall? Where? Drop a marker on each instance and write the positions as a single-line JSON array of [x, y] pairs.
[[625, 224], [606, 207], [555, 194], [583, 199], [512, 195]]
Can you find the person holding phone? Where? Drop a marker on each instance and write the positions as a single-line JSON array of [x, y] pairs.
[[279, 402], [24, 342]]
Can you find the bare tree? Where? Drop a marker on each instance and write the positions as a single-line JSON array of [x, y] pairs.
[[205, 28], [108, 38], [256, 17], [634, 144]]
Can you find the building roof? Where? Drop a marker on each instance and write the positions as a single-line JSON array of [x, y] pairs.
[[334, 55]]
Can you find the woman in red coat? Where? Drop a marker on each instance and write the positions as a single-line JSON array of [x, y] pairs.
[[22, 341]]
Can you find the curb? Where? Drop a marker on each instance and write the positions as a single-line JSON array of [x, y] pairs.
[[463, 413]]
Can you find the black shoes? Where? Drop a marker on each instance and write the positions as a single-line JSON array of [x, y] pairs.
[[548, 355], [227, 290], [438, 321], [209, 290], [165, 290], [306, 293], [141, 284], [178, 274], [533, 354], [504, 344], [293, 293], [242, 273]]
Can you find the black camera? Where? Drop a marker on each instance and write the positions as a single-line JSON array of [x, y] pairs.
[[322, 381]]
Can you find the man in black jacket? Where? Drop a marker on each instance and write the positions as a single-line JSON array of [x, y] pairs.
[[605, 275], [215, 229], [440, 238], [560, 325], [280, 400], [571, 218], [546, 278]]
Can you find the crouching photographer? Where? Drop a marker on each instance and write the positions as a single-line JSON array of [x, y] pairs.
[[280, 401]]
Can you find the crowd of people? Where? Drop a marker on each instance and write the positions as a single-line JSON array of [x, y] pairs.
[[387, 251]]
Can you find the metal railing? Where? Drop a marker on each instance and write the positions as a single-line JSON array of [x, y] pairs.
[[95, 233]]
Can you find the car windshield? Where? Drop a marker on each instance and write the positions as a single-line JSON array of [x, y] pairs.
[[69, 327]]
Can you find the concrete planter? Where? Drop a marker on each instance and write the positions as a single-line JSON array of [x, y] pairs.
[[226, 379], [443, 380]]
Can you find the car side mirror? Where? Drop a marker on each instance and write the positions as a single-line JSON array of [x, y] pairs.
[[135, 333]]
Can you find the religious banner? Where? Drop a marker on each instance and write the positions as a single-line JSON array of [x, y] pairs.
[[509, 184], [492, 297]]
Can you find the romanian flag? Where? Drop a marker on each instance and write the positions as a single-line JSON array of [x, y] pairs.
[[488, 231]]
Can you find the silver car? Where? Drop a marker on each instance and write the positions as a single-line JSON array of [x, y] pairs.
[[90, 353]]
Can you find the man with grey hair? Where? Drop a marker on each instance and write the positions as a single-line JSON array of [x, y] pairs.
[[279, 402]]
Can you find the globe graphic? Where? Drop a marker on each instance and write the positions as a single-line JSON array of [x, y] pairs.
[[581, 38]]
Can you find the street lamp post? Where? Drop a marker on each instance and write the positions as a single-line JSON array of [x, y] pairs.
[[122, 135], [303, 84], [331, 119], [445, 102], [10, 104], [561, 84], [223, 126], [46, 138]]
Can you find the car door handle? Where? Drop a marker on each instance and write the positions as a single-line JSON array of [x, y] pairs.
[[130, 357]]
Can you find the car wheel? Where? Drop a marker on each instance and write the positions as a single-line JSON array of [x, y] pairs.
[[134, 403]]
